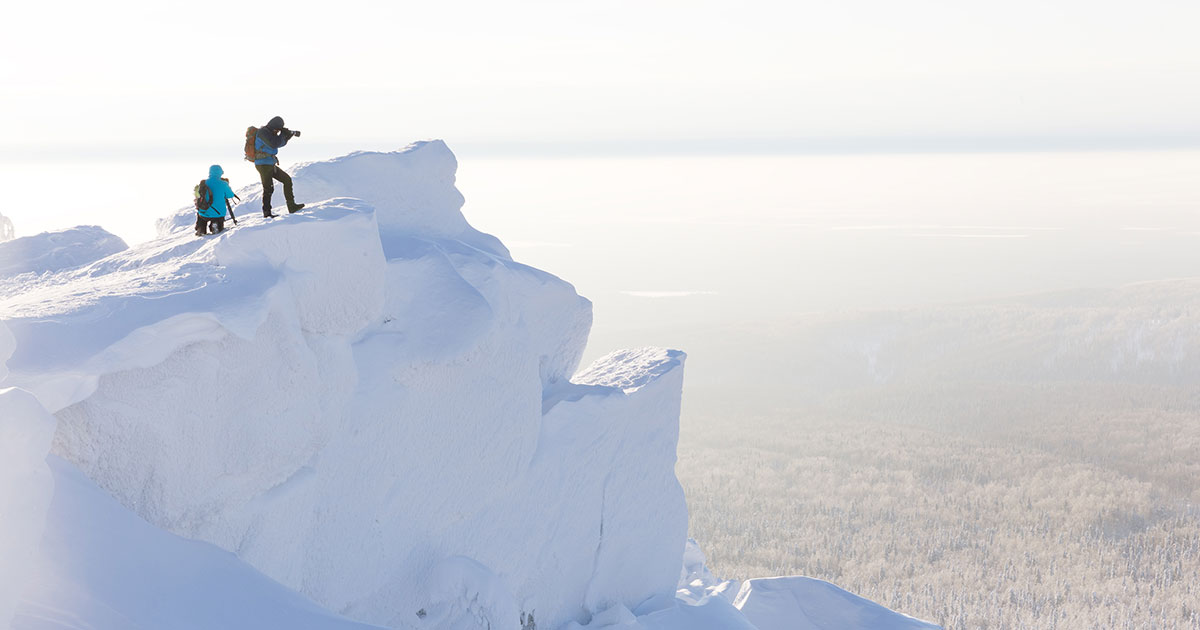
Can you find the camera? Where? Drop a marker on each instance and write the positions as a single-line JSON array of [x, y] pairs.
[[296, 133]]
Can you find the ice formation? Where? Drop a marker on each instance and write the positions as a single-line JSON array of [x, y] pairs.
[[369, 403]]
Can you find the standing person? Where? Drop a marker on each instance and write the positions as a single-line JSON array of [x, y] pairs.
[[266, 147], [217, 197]]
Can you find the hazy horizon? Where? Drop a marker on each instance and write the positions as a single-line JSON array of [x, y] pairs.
[[542, 79], [660, 71]]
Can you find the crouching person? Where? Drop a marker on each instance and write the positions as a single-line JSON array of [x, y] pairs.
[[212, 202]]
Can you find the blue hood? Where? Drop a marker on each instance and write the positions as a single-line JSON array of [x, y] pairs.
[[215, 172]]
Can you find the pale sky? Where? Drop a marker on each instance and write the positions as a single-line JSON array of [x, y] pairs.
[[95, 79]]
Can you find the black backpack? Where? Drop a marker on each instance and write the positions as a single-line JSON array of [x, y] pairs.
[[203, 195]]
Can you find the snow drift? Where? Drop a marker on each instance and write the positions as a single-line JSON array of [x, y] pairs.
[[802, 603], [369, 403]]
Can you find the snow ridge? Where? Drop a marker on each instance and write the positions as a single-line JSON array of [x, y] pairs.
[[367, 381]]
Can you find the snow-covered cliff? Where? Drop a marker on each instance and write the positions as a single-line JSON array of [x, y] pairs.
[[357, 398], [369, 404], [25, 486]]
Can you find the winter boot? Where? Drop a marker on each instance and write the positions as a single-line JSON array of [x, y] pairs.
[[295, 207]]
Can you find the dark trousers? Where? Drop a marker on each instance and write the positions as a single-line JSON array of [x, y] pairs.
[[203, 224], [268, 173]]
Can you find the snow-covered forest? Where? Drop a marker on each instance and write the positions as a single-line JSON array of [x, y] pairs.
[[984, 489]]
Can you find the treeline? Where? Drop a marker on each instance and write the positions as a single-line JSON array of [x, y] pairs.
[[974, 506]]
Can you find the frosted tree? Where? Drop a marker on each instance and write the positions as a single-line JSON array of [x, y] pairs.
[[7, 233]]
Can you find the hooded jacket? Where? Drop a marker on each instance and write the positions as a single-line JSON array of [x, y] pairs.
[[220, 192], [268, 140]]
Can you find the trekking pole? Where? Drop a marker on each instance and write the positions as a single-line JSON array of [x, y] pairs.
[[230, 209]]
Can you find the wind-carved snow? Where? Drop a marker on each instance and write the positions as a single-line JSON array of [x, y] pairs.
[[362, 381], [369, 403], [25, 484], [25, 490], [102, 567]]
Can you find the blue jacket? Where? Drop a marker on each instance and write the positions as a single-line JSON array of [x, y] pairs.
[[267, 141], [220, 192]]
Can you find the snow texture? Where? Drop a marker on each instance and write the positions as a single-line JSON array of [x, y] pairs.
[[665, 613], [102, 567], [697, 583], [25, 488], [7, 344], [803, 603], [376, 383], [55, 251]]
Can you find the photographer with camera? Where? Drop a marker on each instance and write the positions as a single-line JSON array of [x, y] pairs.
[[266, 161]]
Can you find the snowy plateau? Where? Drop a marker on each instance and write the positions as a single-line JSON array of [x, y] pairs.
[[362, 415]]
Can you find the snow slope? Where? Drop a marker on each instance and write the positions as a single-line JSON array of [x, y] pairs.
[[369, 404], [783, 603], [802, 603]]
